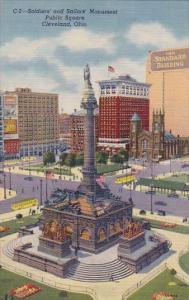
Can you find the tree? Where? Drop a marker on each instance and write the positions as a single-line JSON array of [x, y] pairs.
[[70, 160], [48, 158], [79, 159], [101, 157], [117, 158], [63, 157], [124, 153]]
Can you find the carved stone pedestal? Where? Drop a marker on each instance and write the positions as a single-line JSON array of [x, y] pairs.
[[55, 248]]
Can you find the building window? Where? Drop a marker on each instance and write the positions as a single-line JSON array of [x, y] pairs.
[[103, 90], [144, 144], [113, 89], [123, 89], [108, 90]]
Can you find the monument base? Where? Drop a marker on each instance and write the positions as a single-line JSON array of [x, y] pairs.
[[56, 248], [146, 252], [128, 246], [58, 267]]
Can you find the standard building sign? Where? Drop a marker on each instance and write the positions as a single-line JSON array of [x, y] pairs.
[[170, 60]]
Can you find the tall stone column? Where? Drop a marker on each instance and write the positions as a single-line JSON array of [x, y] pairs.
[[89, 103]]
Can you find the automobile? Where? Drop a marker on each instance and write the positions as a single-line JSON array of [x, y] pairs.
[[185, 166], [29, 178], [173, 195], [160, 203], [150, 192], [161, 212]]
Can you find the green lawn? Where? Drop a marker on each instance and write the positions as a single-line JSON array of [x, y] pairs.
[[101, 169], [184, 262], [16, 224], [52, 168], [161, 283], [9, 280], [180, 178], [158, 224]]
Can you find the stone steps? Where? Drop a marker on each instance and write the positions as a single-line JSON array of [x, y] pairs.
[[98, 272]]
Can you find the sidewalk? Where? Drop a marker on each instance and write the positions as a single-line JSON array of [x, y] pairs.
[[166, 219], [9, 194]]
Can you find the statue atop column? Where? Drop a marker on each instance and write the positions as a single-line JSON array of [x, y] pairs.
[[87, 77]]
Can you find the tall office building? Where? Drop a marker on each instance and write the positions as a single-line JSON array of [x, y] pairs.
[[1, 127], [168, 73], [37, 121], [120, 98]]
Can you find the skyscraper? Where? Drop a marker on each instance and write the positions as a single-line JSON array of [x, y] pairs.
[[37, 120], [120, 98], [167, 71]]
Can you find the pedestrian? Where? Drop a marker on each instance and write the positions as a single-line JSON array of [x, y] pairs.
[[33, 189], [37, 187], [111, 277]]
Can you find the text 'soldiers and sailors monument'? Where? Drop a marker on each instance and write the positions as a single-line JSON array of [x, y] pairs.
[[92, 216]]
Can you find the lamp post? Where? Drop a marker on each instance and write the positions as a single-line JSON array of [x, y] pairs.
[[4, 184], [10, 183], [170, 166], [29, 164], [4, 178], [46, 188], [151, 195], [151, 167], [41, 186]]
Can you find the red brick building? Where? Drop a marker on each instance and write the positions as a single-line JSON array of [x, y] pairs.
[[120, 98], [77, 129], [64, 124]]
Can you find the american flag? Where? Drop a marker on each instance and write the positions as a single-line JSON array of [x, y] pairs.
[[111, 69]]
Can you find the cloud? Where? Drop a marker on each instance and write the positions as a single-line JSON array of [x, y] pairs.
[[154, 34], [20, 49], [82, 40], [9, 81], [76, 40]]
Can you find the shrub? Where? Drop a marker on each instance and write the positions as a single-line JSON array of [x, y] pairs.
[[173, 272], [142, 212], [19, 216]]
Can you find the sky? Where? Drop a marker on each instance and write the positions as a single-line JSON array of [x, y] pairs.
[[51, 58]]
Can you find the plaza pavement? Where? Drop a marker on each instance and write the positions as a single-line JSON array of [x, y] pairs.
[[110, 290], [9, 194], [26, 189]]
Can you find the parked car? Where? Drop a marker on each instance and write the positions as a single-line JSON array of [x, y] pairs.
[[173, 195], [160, 203], [185, 166], [150, 192], [161, 212]]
